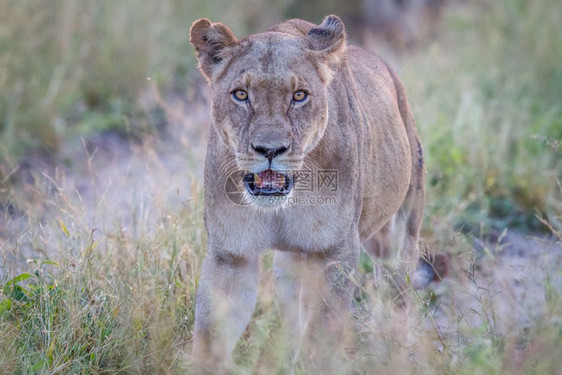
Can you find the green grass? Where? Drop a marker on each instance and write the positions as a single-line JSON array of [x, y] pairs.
[[119, 303], [105, 282], [486, 101], [77, 67]]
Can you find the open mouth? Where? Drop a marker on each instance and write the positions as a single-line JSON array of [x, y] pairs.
[[268, 182]]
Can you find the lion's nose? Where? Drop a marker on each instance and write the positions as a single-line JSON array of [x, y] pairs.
[[269, 152]]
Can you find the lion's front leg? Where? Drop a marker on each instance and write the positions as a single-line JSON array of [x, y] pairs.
[[326, 294], [226, 297], [287, 269]]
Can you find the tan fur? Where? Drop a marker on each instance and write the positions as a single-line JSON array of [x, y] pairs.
[[357, 122]]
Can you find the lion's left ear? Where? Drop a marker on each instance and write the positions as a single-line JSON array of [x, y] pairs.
[[329, 38], [212, 42]]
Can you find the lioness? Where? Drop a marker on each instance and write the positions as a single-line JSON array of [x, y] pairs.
[[289, 105]]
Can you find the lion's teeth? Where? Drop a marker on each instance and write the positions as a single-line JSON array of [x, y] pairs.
[[269, 179], [257, 180]]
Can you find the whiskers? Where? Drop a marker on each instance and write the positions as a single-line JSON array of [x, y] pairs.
[[248, 162], [310, 164], [228, 166]]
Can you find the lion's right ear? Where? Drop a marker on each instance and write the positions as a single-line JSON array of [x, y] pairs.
[[211, 42], [329, 38]]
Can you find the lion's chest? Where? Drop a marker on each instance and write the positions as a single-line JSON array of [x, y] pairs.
[[311, 229]]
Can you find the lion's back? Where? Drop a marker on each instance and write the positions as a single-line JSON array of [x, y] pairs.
[[391, 134]]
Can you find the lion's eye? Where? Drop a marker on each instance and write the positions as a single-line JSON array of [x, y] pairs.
[[240, 95], [299, 96]]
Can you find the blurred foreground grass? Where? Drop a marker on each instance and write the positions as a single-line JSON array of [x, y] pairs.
[[112, 258]]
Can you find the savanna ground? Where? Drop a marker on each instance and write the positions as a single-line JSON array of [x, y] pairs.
[[103, 124]]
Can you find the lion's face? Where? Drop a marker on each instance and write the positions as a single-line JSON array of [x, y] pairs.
[[270, 103]]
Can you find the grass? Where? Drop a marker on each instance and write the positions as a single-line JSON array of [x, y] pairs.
[[76, 67], [110, 304], [100, 250], [486, 129]]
